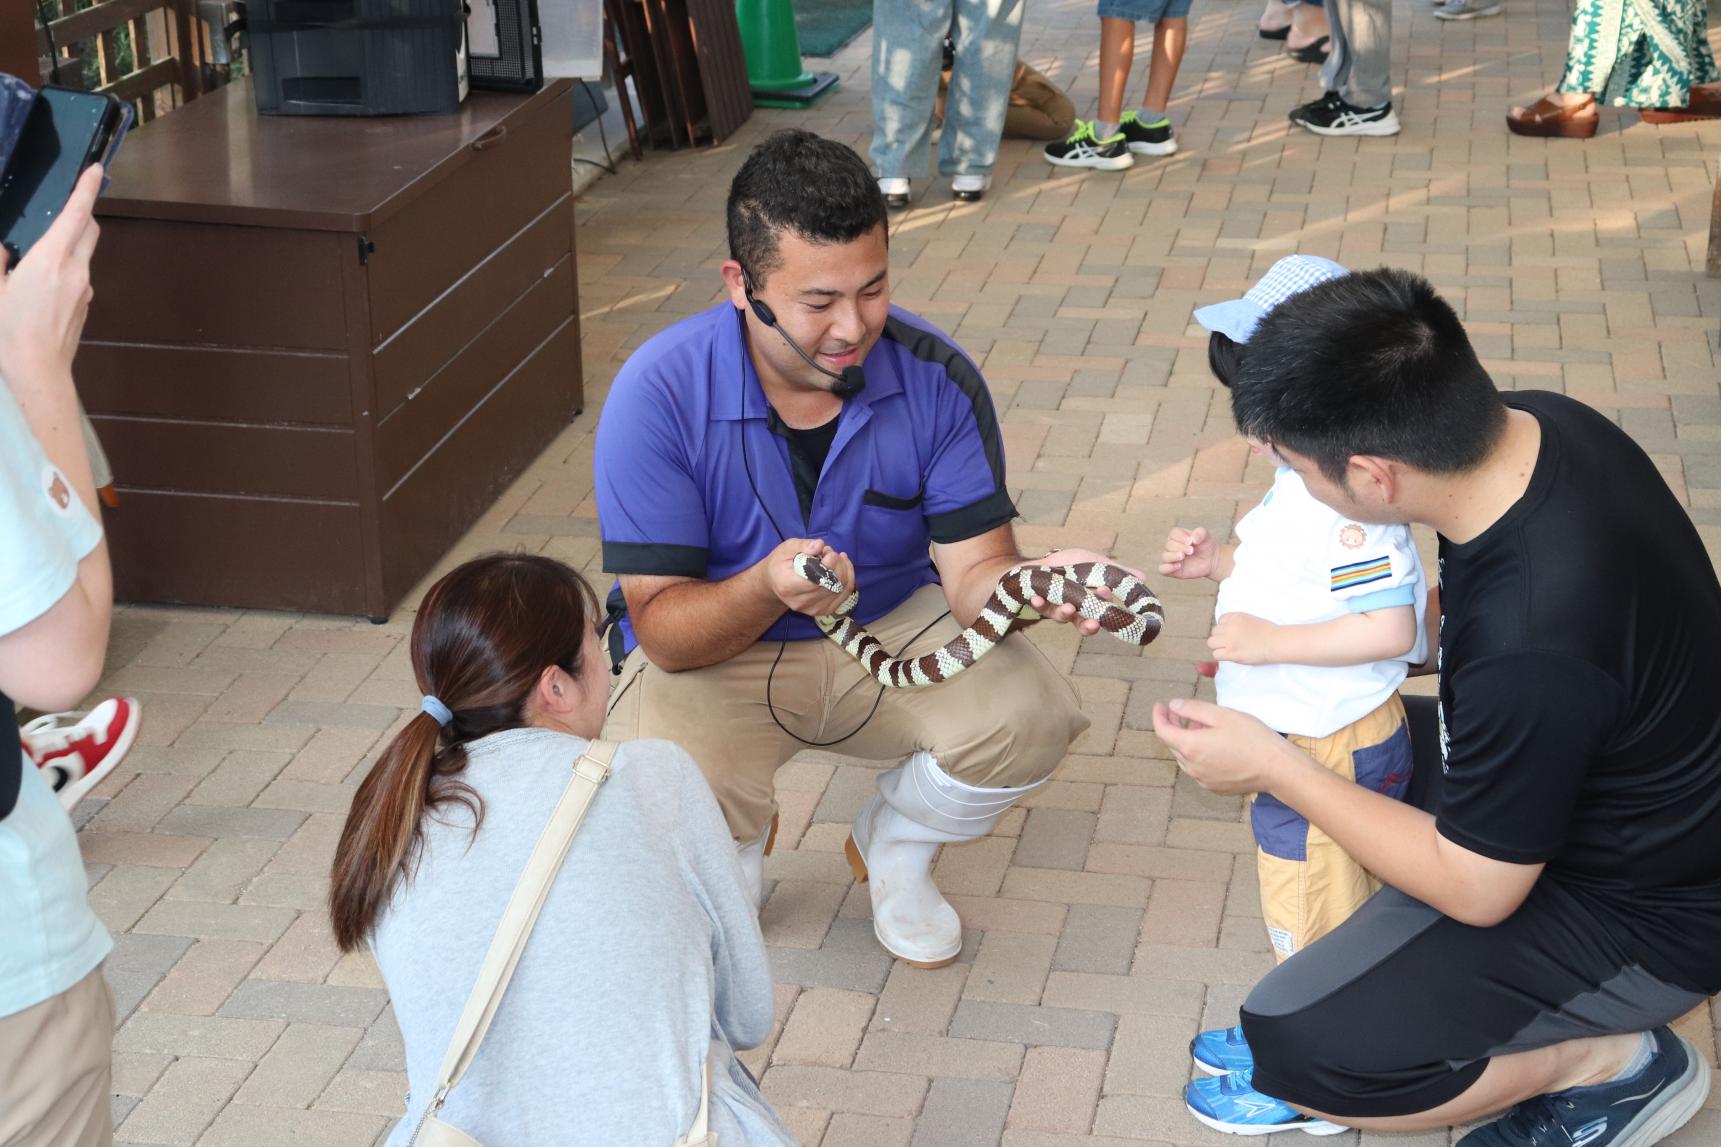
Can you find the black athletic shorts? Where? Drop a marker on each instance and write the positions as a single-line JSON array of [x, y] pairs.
[[1398, 1010]]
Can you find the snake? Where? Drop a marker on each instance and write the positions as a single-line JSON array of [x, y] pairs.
[[1134, 615]]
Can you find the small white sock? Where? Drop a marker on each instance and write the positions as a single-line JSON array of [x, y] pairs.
[[1104, 130], [1640, 1059], [1149, 116]]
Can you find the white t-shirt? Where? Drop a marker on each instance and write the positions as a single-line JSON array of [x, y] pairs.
[[1299, 562], [49, 938]]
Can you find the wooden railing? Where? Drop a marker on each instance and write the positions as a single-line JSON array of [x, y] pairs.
[[147, 52]]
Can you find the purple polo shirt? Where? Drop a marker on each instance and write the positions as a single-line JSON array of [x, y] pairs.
[[917, 459]]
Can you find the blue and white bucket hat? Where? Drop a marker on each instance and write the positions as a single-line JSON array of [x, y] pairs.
[[1292, 275]]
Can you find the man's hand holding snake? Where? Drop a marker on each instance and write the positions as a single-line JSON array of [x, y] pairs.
[[1067, 612], [794, 590]]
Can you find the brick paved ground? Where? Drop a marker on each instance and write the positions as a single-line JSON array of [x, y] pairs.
[[1117, 913]]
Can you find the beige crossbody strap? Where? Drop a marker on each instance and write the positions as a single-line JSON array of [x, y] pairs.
[[590, 771]]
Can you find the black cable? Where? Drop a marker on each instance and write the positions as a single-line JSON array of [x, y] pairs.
[[48, 33], [603, 136], [782, 646]]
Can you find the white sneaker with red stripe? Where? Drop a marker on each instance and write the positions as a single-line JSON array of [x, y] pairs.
[[76, 750]]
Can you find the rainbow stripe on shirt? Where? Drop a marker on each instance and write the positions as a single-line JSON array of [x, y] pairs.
[[1361, 573]]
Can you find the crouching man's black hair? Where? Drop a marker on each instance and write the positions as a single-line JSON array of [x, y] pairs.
[[1374, 363]]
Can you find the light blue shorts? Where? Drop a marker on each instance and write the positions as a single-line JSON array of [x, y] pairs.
[[1144, 11]]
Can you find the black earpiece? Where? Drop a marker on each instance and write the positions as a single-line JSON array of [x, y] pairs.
[[760, 308]]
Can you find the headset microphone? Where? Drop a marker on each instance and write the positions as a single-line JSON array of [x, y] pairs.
[[852, 379]]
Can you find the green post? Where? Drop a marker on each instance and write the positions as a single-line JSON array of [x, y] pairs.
[[773, 50]]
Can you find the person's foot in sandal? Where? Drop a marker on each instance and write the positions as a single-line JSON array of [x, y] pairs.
[[1703, 103], [1556, 116], [1309, 33], [1276, 20]]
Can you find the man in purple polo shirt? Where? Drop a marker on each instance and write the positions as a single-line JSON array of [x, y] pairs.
[[736, 440]]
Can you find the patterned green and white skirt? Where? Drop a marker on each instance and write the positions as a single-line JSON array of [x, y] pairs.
[[1639, 53]]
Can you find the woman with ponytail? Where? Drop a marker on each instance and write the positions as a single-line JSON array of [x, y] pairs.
[[646, 959]]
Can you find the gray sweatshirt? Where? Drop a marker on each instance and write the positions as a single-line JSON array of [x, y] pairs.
[[646, 955]]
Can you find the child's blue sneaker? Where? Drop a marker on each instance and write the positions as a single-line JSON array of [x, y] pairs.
[[1634, 1112], [1230, 1103], [1222, 1050]]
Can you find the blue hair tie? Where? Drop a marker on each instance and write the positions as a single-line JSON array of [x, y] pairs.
[[439, 712]]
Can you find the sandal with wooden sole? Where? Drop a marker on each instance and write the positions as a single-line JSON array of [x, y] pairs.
[[1549, 120]]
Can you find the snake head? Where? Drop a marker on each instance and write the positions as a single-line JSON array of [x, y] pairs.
[[818, 573]]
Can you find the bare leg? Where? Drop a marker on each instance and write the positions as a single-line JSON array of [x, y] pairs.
[[1117, 53], [1567, 100], [1168, 40], [1308, 24], [1510, 1079], [1277, 15]]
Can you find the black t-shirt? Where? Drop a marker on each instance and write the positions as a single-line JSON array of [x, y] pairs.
[[807, 452], [11, 757], [1580, 698]]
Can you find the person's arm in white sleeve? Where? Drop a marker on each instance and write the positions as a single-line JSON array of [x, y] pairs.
[[55, 658]]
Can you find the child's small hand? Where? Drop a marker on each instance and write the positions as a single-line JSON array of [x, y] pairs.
[[1244, 639], [1188, 553]]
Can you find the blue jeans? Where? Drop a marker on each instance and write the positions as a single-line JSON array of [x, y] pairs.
[[907, 55]]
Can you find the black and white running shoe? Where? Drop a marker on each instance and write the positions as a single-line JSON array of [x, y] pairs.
[[1083, 149], [1145, 138], [1332, 115]]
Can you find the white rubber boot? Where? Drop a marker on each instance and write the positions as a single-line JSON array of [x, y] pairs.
[[752, 857], [919, 807]]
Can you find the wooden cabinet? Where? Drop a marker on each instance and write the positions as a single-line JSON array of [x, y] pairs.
[[320, 348]]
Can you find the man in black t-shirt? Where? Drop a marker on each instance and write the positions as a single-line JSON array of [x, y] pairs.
[[1561, 903]]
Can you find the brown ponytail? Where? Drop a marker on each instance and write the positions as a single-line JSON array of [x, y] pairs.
[[483, 635]]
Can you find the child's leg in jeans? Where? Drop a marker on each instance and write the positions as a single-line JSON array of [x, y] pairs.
[[1117, 53], [1169, 37], [1309, 885]]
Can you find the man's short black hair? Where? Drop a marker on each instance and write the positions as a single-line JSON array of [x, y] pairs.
[[1373, 363], [797, 181]]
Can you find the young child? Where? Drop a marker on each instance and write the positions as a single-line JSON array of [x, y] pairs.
[[1111, 142], [1318, 620]]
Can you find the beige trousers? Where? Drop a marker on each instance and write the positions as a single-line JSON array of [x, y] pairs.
[[1309, 885], [1004, 723], [56, 1069]]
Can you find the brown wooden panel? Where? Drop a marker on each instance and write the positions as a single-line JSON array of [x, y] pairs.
[[217, 161], [232, 286], [258, 553], [138, 84], [234, 383], [415, 428], [225, 458], [431, 243], [457, 483], [100, 18], [436, 335], [18, 40]]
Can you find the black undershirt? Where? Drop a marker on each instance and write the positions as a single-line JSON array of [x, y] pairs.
[[807, 452]]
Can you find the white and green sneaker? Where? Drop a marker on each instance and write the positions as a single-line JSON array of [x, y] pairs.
[[1084, 149]]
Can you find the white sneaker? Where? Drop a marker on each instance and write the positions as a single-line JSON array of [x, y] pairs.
[[969, 188], [894, 190]]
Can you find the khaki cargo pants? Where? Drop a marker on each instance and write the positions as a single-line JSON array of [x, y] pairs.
[[1309, 885], [56, 1069], [1004, 723]]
